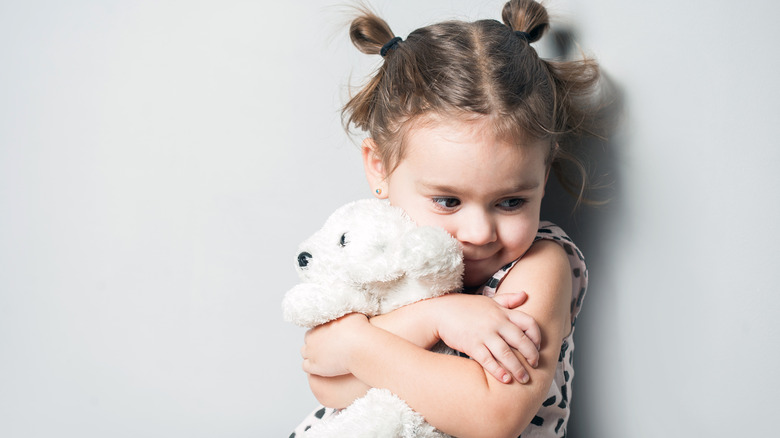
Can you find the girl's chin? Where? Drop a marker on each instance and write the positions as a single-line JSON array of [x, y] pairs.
[[478, 272], [473, 279]]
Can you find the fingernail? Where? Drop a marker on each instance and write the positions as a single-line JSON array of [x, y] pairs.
[[524, 378], [506, 378]]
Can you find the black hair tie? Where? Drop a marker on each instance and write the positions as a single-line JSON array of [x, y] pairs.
[[523, 35], [389, 45]]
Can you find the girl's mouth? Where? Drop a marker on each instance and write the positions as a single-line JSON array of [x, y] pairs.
[[476, 259]]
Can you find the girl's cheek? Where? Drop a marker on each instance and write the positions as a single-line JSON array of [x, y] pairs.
[[521, 237], [422, 216]]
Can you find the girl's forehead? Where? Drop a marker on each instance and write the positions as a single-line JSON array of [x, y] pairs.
[[464, 127], [475, 125], [468, 138], [475, 140], [454, 155]]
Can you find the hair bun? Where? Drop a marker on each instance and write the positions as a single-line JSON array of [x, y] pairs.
[[369, 33], [526, 16]]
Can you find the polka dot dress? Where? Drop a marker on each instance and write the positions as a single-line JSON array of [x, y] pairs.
[[553, 415]]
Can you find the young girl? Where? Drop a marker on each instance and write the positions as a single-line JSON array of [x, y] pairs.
[[465, 124]]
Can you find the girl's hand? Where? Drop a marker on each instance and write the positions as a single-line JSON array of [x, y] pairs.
[[492, 332], [326, 347]]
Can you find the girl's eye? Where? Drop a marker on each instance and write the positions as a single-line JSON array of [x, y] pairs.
[[446, 203], [511, 204]]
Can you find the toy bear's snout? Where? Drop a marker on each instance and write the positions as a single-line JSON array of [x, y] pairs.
[[303, 259]]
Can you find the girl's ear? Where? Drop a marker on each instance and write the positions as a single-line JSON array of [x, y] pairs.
[[375, 169]]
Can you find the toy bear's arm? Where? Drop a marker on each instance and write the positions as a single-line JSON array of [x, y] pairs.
[[309, 304]]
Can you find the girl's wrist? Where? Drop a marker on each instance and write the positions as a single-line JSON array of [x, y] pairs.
[[354, 327], [439, 317], [414, 322]]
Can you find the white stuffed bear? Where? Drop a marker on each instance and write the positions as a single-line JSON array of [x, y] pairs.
[[370, 257]]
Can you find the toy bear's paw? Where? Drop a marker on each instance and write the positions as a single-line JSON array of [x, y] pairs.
[[378, 414], [309, 305]]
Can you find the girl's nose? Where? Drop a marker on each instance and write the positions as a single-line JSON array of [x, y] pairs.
[[476, 228]]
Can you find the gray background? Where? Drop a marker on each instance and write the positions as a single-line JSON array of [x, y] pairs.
[[160, 162]]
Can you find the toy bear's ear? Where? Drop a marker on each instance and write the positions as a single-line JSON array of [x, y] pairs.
[[430, 252], [379, 262]]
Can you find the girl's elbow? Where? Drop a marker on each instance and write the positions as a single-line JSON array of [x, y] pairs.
[[506, 427], [506, 419], [495, 431], [322, 392], [316, 388], [489, 425]]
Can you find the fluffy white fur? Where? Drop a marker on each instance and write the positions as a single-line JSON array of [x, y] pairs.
[[378, 414], [369, 257]]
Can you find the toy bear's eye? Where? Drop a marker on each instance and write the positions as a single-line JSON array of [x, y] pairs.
[[343, 241]]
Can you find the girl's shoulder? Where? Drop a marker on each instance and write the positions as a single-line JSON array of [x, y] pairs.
[[549, 231]]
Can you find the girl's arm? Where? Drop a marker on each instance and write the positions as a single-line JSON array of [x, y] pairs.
[[456, 394], [485, 335]]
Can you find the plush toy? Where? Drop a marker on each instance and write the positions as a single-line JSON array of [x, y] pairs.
[[369, 257]]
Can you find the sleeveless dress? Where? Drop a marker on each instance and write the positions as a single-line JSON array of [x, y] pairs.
[[553, 415]]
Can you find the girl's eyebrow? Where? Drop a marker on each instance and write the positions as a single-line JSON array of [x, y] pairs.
[[523, 186]]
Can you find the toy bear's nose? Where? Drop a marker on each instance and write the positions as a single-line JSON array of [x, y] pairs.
[[303, 259]]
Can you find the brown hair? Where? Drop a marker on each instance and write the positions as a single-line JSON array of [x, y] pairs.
[[475, 69]]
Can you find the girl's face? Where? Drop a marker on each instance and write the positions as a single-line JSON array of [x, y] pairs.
[[484, 191]]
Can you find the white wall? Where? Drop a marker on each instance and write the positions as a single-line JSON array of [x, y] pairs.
[[680, 338], [160, 161]]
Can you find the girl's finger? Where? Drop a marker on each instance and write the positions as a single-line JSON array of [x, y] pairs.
[[511, 300], [528, 325], [507, 358], [522, 344], [483, 357]]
